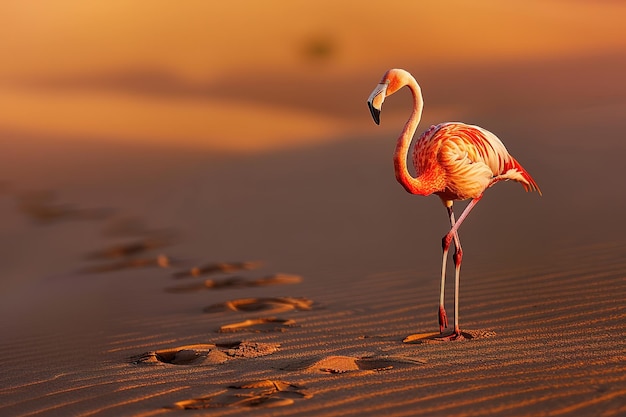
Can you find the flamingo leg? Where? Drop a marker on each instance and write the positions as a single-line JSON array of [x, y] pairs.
[[458, 253], [443, 317], [458, 257]]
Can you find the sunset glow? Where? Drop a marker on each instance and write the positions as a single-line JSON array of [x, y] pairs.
[[66, 65]]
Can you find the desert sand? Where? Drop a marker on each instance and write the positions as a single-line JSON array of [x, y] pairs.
[[255, 266]]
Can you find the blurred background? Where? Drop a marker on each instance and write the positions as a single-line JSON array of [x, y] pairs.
[[243, 127], [249, 76]]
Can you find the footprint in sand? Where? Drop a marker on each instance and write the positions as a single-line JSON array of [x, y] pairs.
[[269, 324], [41, 207], [237, 282], [257, 394], [205, 354], [345, 364], [269, 305], [161, 261], [435, 337], [130, 249], [216, 267], [125, 256]]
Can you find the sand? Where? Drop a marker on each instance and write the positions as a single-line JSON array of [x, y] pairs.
[[143, 279]]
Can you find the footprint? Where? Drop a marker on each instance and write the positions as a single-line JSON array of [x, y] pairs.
[[273, 305], [125, 255], [205, 354], [41, 208], [162, 261], [434, 337], [215, 268], [237, 282], [130, 249], [258, 394], [183, 355], [270, 324], [344, 364]]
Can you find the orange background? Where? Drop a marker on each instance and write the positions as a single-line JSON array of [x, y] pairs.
[[249, 75]]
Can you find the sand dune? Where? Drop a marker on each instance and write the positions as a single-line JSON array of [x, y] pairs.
[[552, 295]]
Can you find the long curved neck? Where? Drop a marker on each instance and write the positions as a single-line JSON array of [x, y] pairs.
[[412, 184]]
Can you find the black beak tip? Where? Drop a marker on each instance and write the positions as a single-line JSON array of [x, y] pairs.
[[375, 113]]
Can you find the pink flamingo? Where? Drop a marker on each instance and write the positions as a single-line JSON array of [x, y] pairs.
[[453, 160]]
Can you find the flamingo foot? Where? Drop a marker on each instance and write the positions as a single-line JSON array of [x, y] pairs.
[[443, 319], [455, 335]]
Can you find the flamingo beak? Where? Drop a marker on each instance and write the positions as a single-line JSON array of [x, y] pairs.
[[375, 101], [375, 113]]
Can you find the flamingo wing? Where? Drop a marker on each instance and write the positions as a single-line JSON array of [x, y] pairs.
[[470, 158]]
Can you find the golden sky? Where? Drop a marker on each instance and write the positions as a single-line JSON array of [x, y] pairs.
[[70, 68]]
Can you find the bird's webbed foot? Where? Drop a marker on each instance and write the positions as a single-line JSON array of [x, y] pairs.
[[455, 335]]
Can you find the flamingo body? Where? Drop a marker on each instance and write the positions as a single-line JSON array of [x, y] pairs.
[[464, 160], [454, 161]]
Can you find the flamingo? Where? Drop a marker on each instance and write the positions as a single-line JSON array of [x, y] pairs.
[[453, 160]]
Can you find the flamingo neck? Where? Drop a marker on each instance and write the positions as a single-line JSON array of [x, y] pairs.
[[414, 185]]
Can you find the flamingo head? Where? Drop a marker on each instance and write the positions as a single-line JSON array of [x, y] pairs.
[[392, 81]]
